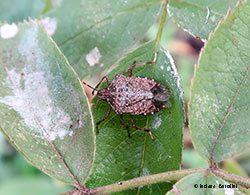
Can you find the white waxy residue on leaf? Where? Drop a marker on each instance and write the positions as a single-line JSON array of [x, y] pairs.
[[156, 122], [49, 24], [38, 95], [35, 105], [8, 31], [93, 57], [174, 72]]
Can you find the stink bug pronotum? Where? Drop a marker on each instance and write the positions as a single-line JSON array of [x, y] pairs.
[[133, 96]]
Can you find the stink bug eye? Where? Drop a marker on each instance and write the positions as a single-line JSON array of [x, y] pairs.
[[133, 96]]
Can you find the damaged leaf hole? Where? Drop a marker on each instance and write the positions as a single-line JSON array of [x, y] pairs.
[[133, 96]]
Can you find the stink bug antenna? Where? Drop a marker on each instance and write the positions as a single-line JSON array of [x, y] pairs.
[[89, 86], [94, 89]]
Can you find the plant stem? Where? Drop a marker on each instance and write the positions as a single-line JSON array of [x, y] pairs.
[[164, 177], [145, 180], [46, 8], [243, 181], [162, 23]]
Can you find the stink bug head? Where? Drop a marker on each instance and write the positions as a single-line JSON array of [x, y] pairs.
[[104, 94], [161, 96]]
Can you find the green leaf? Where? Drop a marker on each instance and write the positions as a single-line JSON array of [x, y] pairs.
[[94, 34], [17, 11], [43, 106], [232, 166], [199, 17], [120, 157], [203, 183], [191, 159], [219, 107], [31, 186]]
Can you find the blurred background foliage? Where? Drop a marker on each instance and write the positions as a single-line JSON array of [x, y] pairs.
[[17, 176]]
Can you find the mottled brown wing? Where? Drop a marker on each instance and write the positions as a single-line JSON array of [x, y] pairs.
[[142, 108], [132, 95], [142, 83]]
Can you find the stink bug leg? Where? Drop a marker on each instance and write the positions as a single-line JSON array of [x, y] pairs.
[[141, 129], [121, 121], [96, 87], [142, 64], [108, 112], [99, 122], [130, 70]]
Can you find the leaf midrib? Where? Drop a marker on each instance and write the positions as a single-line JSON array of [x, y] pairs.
[[107, 19], [229, 111], [43, 131]]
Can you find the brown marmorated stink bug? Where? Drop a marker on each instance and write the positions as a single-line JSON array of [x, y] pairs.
[[133, 96]]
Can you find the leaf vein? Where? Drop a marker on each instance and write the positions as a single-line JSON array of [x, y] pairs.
[[199, 7], [233, 136], [227, 114], [45, 133], [107, 19]]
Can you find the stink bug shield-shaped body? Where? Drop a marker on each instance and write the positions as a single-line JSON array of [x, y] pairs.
[[133, 96]]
